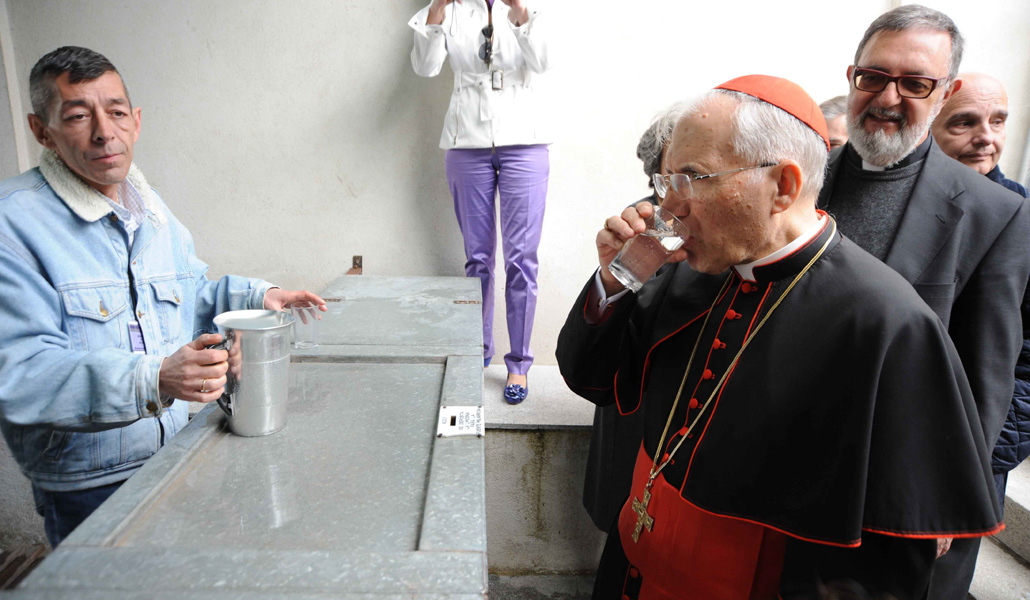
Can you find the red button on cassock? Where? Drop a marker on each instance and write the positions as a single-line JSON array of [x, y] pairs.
[[732, 314], [746, 287], [718, 345], [693, 403], [707, 374], [634, 574]]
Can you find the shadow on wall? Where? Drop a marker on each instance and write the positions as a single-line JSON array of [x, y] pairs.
[[440, 238], [425, 100], [407, 108]]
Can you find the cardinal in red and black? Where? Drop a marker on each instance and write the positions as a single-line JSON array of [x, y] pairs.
[[808, 423]]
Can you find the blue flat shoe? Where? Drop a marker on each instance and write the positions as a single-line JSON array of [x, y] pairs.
[[514, 393]]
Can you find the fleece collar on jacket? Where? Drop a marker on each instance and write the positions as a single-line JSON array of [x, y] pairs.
[[86, 201]]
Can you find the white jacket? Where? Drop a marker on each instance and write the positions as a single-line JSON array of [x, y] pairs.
[[480, 116]]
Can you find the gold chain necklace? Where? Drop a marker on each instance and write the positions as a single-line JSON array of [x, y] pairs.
[[644, 520]]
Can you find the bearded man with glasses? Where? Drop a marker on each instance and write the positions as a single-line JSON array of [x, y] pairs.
[[776, 368], [957, 238]]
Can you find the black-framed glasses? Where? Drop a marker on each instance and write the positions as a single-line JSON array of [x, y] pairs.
[[680, 182], [909, 86], [486, 50]]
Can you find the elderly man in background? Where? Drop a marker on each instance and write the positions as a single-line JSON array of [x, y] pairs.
[[778, 367], [959, 239], [105, 302], [834, 111], [971, 129]]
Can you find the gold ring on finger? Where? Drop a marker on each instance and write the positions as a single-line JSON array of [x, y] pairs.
[[606, 227], [203, 386]]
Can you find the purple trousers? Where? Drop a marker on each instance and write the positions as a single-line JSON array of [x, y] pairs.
[[519, 174]]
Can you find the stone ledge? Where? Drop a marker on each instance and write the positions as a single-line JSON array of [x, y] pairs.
[[1017, 512], [541, 587], [550, 405], [1000, 575]]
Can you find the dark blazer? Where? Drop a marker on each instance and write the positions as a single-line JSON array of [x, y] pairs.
[[1013, 444], [962, 244]]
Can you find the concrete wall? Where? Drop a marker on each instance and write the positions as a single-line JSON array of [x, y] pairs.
[[19, 523], [8, 149], [8, 152], [535, 521], [997, 44], [302, 121], [289, 136]]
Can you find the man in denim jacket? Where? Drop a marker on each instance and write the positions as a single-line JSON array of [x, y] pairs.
[[105, 302]]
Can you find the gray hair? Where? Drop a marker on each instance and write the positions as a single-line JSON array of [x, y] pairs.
[[652, 144], [81, 64], [834, 107], [765, 133], [915, 16]]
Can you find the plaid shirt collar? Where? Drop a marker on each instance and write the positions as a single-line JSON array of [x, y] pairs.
[[133, 209]]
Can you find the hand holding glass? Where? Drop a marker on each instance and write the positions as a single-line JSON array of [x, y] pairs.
[[642, 255]]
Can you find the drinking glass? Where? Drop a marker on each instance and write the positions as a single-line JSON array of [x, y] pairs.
[[645, 253]]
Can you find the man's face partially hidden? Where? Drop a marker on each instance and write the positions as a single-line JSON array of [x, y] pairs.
[[884, 127], [727, 216], [92, 128], [971, 128], [838, 130]]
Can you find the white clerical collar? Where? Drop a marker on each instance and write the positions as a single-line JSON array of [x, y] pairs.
[[867, 166], [746, 271]]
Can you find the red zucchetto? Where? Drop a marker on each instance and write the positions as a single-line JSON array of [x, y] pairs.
[[783, 94]]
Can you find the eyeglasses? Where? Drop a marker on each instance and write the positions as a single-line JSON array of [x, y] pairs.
[[680, 182], [908, 86], [486, 50]]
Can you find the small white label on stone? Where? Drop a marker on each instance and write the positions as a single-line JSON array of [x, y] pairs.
[[460, 420]]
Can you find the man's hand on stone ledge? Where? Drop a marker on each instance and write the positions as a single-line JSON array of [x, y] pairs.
[[280, 299]]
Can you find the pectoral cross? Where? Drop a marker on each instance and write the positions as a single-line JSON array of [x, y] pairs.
[[643, 519]]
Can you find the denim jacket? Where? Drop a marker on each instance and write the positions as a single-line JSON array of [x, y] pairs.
[[78, 408]]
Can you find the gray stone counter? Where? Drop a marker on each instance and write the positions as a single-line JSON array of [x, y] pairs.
[[399, 316], [355, 498]]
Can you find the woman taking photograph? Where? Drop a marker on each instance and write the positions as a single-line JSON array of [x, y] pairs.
[[495, 147]]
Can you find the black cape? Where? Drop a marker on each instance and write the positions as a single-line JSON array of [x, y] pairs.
[[848, 416]]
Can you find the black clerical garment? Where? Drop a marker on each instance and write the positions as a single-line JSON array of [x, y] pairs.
[[848, 423]]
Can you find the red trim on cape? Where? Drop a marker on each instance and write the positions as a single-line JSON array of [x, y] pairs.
[[583, 387], [647, 359], [711, 415], [618, 404], [604, 317], [851, 544], [934, 535], [647, 366], [601, 318]]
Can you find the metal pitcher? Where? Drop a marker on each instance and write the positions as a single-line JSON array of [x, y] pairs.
[[257, 382]]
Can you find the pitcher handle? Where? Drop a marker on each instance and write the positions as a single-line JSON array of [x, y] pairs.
[[225, 400]]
